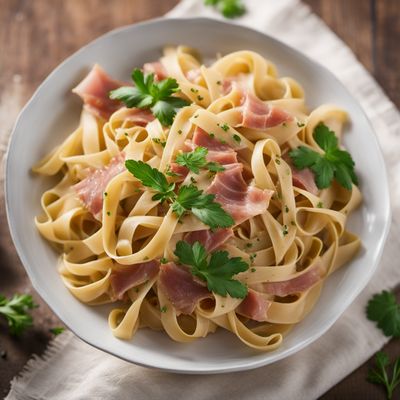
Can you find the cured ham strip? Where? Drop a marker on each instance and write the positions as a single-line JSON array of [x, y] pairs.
[[238, 199], [94, 91], [254, 306], [138, 116], [202, 138], [302, 178], [131, 276], [258, 115], [91, 189], [210, 240], [295, 285], [180, 288], [157, 69]]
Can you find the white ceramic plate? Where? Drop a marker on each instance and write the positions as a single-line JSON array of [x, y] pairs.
[[53, 113]]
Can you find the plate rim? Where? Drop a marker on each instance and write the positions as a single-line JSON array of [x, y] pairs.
[[250, 364]]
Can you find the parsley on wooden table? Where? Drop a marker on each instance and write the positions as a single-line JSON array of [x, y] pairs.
[[334, 163], [188, 198], [383, 309], [228, 8], [196, 159], [15, 310], [380, 375], [217, 270], [148, 94]]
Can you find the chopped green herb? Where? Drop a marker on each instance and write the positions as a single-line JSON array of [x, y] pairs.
[[211, 135], [193, 180], [126, 134], [180, 132], [293, 223], [335, 163], [57, 330], [224, 127], [196, 116], [300, 124], [253, 257], [380, 374], [320, 204], [217, 271], [163, 260], [277, 160], [237, 138], [159, 141], [284, 124], [105, 194], [194, 90], [15, 310], [286, 209], [163, 309], [108, 213], [285, 230], [200, 98], [147, 94], [219, 83], [253, 270], [248, 245]]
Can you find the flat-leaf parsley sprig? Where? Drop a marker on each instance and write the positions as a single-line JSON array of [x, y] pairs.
[[380, 374], [335, 163], [228, 8], [196, 159], [217, 271], [147, 94], [383, 309], [15, 310], [188, 198]]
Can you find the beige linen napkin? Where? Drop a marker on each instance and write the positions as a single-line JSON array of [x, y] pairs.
[[70, 369]]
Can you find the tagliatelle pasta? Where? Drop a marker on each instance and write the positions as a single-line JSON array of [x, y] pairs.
[[118, 242]]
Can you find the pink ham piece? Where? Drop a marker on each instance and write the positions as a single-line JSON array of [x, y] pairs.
[[180, 288], [254, 306], [299, 284], [239, 200], [91, 189], [202, 138], [258, 115], [302, 178], [210, 240], [139, 117], [157, 69], [94, 91], [131, 276]]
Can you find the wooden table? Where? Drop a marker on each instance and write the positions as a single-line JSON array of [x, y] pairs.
[[35, 36]]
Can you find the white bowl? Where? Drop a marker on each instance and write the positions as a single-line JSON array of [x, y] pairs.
[[53, 113]]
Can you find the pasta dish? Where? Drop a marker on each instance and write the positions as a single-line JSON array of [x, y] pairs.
[[200, 196]]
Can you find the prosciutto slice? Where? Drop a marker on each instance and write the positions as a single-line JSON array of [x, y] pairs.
[[254, 306], [94, 91], [157, 69], [131, 276], [238, 199], [210, 240], [91, 189], [302, 178], [295, 285], [258, 115], [139, 117], [180, 288]]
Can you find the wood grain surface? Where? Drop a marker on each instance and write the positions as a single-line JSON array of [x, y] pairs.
[[36, 35]]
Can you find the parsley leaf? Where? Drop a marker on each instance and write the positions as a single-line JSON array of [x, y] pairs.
[[335, 163], [228, 8], [15, 310], [217, 272], [196, 159], [380, 375], [188, 198], [57, 330], [203, 206], [152, 178], [384, 309], [156, 96]]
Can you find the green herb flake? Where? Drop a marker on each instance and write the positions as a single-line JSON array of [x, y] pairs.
[[285, 230], [200, 98], [237, 138], [253, 270], [163, 260], [300, 124], [163, 309], [224, 127], [108, 213], [286, 209], [320, 204]]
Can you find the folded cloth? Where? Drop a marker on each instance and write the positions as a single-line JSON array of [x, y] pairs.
[[71, 369]]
